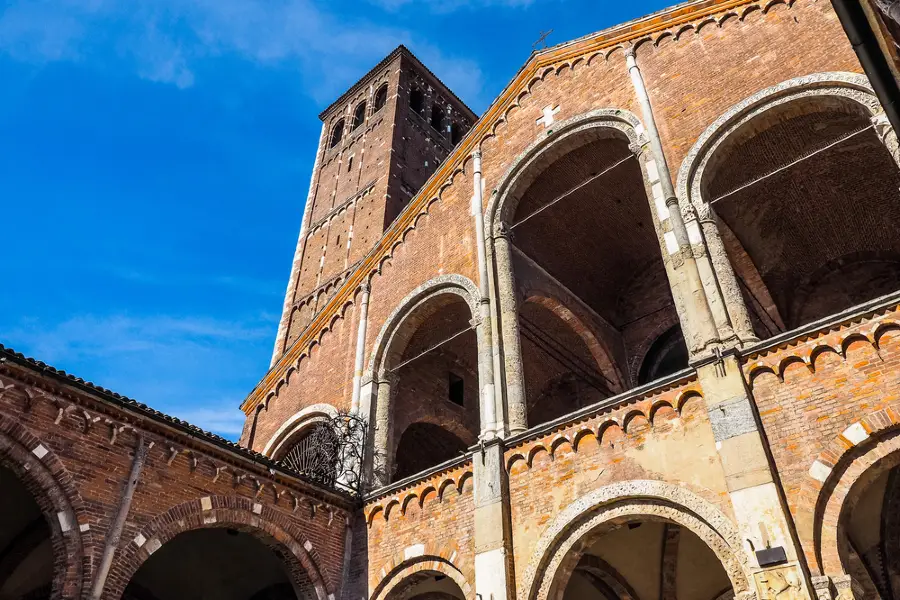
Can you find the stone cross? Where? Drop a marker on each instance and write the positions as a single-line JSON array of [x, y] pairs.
[[547, 118]]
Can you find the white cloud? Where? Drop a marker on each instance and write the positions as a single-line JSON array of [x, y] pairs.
[[165, 40], [196, 368]]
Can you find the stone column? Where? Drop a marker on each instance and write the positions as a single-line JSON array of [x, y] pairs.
[[493, 547], [759, 512], [708, 276], [381, 461], [697, 321], [508, 310], [727, 287], [887, 135]]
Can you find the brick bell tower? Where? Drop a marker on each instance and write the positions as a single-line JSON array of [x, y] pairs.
[[380, 142]]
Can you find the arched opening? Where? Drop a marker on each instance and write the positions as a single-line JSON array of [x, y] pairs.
[[646, 559], [667, 355], [426, 585], [417, 100], [337, 132], [423, 445], [26, 551], [869, 533], [438, 116], [583, 228], [811, 196], [431, 403], [221, 563], [561, 374], [313, 451], [456, 133], [380, 98], [359, 115]]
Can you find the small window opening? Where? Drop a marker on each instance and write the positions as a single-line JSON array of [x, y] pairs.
[[457, 392], [338, 241], [359, 117], [437, 119], [456, 133], [380, 98], [349, 164], [336, 134], [417, 100]]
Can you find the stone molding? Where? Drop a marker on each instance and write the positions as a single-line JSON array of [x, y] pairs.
[[647, 499], [852, 86], [443, 284], [502, 205]]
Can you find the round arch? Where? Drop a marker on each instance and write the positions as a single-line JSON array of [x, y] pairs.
[[297, 422], [409, 568], [760, 234], [392, 332], [567, 135], [595, 344], [53, 489], [556, 552], [261, 521], [393, 339], [850, 86]]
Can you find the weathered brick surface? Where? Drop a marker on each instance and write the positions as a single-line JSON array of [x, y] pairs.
[[84, 472], [431, 521], [809, 391]]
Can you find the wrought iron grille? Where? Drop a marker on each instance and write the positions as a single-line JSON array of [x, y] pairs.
[[331, 453]]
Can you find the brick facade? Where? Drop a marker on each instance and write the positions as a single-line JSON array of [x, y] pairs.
[[658, 364]]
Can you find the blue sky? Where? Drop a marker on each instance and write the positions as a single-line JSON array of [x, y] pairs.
[[154, 158]]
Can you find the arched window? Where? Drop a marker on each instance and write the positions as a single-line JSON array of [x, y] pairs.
[[437, 119], [417, 100], [456, 133], [315, 453], [380, 98], [336, 134], [359, 115]]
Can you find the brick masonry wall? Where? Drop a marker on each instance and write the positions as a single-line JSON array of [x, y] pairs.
[[665, 437], [810, 390], [92, 465], [692, 81], [431, 521]]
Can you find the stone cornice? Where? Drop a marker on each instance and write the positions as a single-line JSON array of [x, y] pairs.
[[483, 128]]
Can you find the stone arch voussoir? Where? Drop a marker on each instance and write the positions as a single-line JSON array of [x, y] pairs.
[[53, 488], [273, 528], [614, 121], [404, 569], [850, 86], [552, 559], [444, 284], [839, 474]]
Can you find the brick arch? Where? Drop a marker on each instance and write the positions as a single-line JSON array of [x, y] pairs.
[[274, 529], [557, 551], [402, 570], [840, 474], [595, 344], [398, 329], [54, 490]]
